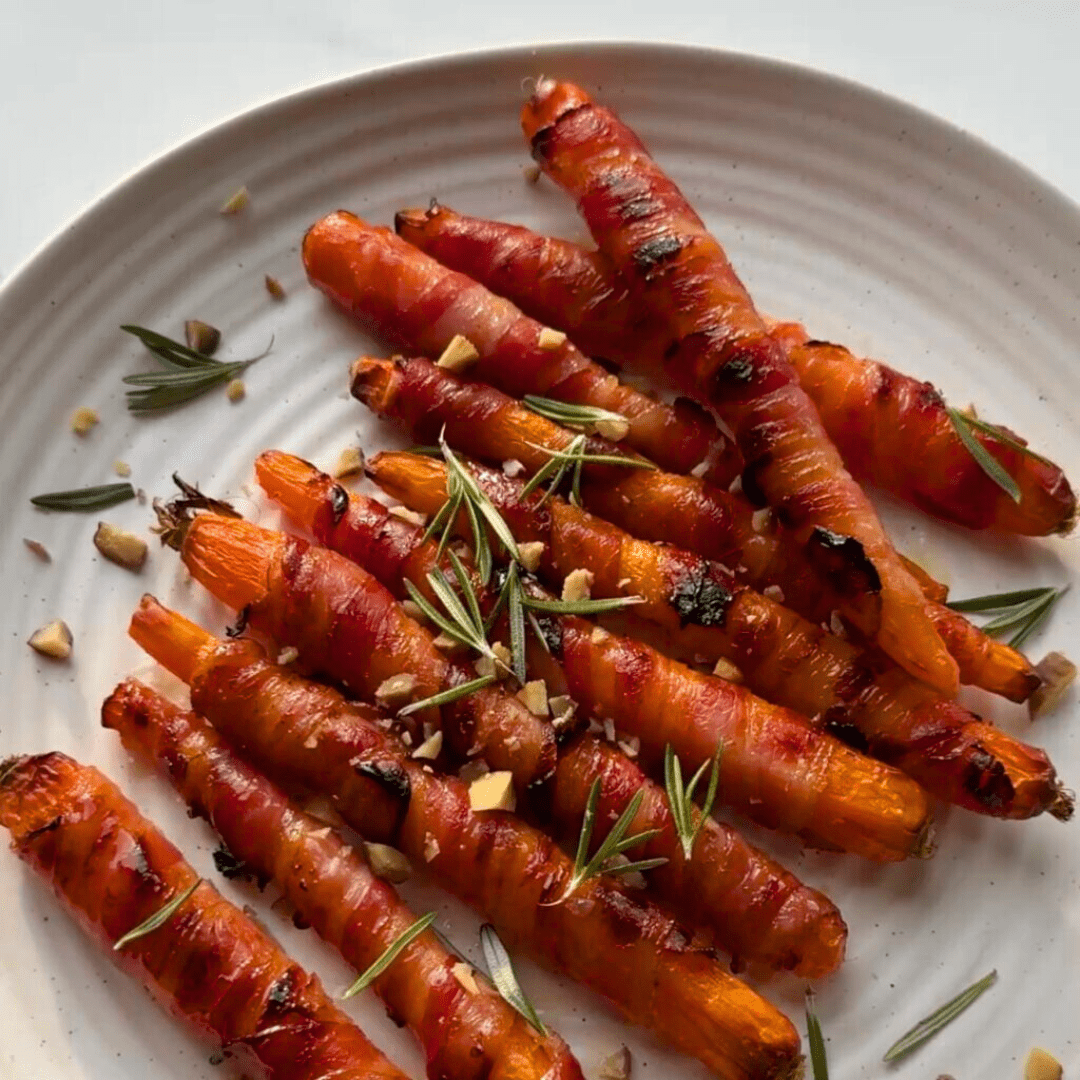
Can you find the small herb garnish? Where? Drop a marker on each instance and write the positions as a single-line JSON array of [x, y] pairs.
[[393, 950], [446, 697], [819, 1063], [574, 456], [966, 425], [932, 1024], [188, 375], [159, 918], [681, 799], [501, 970], [1023, 610], [85, 499], [571, 415]]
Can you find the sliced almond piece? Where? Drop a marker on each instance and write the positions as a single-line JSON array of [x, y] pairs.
[[123, 548], [533, 695], [53, 640], [458, 355], [578, 585], [493, 791], [84, 420], [531, 552], [388, 863], [430, 748], [1057, 672], [396, 691], [350, 463], [549, 340], [725, 669], [1042, 1065], [413, 517]]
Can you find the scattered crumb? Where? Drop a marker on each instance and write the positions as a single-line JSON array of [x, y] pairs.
[[430, 748], [397, 690], [562, 707], [700, 469], [531, 173], [614, 429], [84, 420], [473, 770], [512, 467], [38, 549], [623, 582], [388, 863], [1057, 672], [549, 340], [533, 695], [121, 468], [836, 624], [531, 552], [458, 355], [413, 610], [413, 517], [274, 287], [735, 487], [321, 808], [288, 655], [630, 747], [616, 1066], [773, 592], [598, 635], [464, 975], [725, 669], [431, 847], [236, 202], [120, 547], [759, 520], [493, 791], [350, 463], [609, 729], [53, 640], [578, 585], [235, 390]]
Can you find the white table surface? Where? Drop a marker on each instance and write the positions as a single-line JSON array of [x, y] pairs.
[[92, 90]]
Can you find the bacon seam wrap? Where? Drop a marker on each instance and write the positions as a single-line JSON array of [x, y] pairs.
[[464, 1035], [719, 350], [304, 734], [209, 964]]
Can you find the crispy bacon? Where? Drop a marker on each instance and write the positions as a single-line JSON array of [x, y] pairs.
[[682, 510], [703, 611], [808, 795], [209, 964], [303, 733], [719, 350], [398, 293], [464, 1034]]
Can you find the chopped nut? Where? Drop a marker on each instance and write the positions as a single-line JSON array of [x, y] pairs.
[[388, 863], [413, 610], [431, 847], [725, 669], [609, 729], [623, 582], [578, 585], [38, 549], [616, 1066], [464, 975], [311, 742], [1057, 672], [446, 643], [458, 355], [121, 468], [1042, 1065], [493, 791], [123, 548], [473, 770], [430, 748], [397, 690], [562, 707], [759, 520], [84, 420], [350, 463], [700, 469], [413, 517], [512, 467], [531, 553], [486, 666], [836, 624], [614, 429], [405, 737], [531, 173], [773, 592], [235, 390], [274, 287], [236, 202], [288, 655], [631, 747], [598, 635], [533, 695], [736, 485], [202, 337], [549, 340], [53, 640]]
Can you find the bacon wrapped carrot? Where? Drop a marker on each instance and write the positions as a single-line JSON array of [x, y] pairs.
[[347, 627], [705, 612], [398, 293], [464, 1032], [891, 430], [209, 964], [720, 351], [844, 801], [682, 510], [302, 733]]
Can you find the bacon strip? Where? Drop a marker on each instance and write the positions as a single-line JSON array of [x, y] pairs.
[[464, 1034], [398, 293], [302, 733], [209, 964], [719, 350]]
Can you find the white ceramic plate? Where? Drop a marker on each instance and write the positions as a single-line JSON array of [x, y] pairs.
[[873, 223]]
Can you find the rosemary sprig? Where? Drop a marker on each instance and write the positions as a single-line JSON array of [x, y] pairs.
[[393, 950], [681, 799], [501, 970], [966, 425], [1023, 611], [932, 1024], [85, 499], [571, 415], [446, 697], [615, 843], [819, 1063], [581, 607], [158, 919], [574, 456], [188, 374]]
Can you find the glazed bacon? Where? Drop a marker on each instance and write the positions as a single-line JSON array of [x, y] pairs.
[[464, 1034], [304, 734], [703, 611], [209, 964], [719, 350], [398, 293], [653, 505], [891, 430], [841, 801]]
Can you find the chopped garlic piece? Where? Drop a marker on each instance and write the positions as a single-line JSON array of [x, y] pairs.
[[549, 340], [578, 585], [84, 420], [598, 635], [464, 975], [53, 640], [531, 553], [534, 697], [458, 355], [493, 791], [1042, 1065], [1057, 672], [397, 690], [235, 390], [430, 748], [388, 863], [123, 548], [350, 463], [725, 669]]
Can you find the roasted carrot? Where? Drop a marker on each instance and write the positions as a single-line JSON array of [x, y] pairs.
[[891, 430], [401, 294], [302, 733], [653, 505], [719, 350], [705, 612], [754, 908], [464, 1033], [347, 627], [843, 801], [208, 963]]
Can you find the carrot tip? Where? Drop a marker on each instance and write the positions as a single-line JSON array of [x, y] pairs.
[[1063, 804]]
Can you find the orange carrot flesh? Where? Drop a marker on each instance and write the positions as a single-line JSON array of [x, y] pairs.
[[209, 964], [465, 1034]]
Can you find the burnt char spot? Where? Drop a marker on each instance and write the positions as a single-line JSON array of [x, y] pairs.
[[551, 630], [986, 780], [389, 775], [541, 142], [339, 502], [283, 993], [700, 598], [859, 675], [228, 865], [652, 253], [930, 397], [739, 369], [241, 623], [842, 561], [817, 343], [885, 382], [41, 830], [751, 479], [837, 722]]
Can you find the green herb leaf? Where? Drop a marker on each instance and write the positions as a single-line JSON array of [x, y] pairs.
[[85, 499], [515, 613], [998, 601], [1003, 437], [582, 607], [574, 456], [681, 799], [501, 970], [963, 424], [455, 693], [158, 919], [569, 414], [396, 947], [1023, 611], [818, 1061], [457, 622]]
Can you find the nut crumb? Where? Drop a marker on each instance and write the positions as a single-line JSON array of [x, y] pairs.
[[84, 420], [397, 690], [123, 548], [350, 463], [413, 517], [431, 847], [1042, 1065], [614, 429], [235, 390], [53, 640], [549, 340], [631, 747], [121, 468], [533, 695], [578, 585], [773, 592], [700, 469], [39, 549], [493, 791], [531, 552], [202, 337], [735, 487], [1057, 673], [562, 707], [321, 808], [616, 1066], [464, 975], [288, 655], [236, 202], [531, 173], [512, 467], [274, 287], [598, 635], [430, 748], [458, 355], [623, 582], [388, 863], [759, 520], [725, 669], [413, 610]]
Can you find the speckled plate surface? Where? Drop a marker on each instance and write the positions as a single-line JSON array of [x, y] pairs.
[[873, 223]]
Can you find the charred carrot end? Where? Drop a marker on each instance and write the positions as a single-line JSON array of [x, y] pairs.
[[372, 382], [173, 641], [294, 484], [231, 557]]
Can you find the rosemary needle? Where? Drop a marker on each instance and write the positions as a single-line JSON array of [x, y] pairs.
[[84, 500], [158, 919], [502, 973], [390, 954]]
